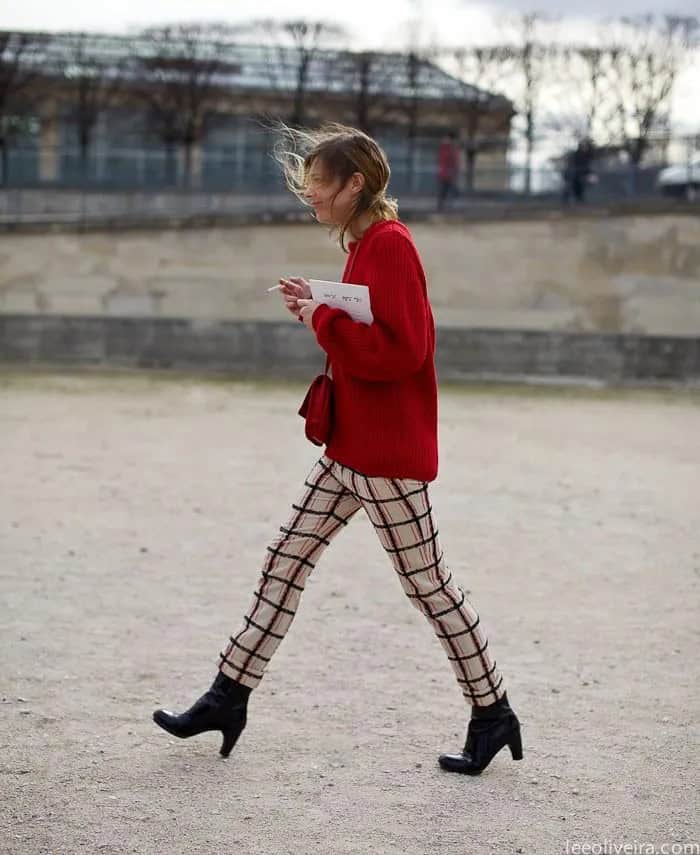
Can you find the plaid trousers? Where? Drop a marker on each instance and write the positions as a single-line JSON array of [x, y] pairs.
[[400, 512]]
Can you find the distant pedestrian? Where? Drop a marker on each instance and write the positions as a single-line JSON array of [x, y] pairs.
[[577, 172], [448, 158]]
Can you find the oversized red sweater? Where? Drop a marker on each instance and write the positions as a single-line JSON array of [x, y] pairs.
[[384, 373]]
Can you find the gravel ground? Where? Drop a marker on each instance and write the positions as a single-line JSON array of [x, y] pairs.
[[134, 514]]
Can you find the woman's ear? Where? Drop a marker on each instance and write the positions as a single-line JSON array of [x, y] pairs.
[[357, 182]]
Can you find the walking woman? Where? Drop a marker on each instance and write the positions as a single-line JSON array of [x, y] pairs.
[[380, 458]]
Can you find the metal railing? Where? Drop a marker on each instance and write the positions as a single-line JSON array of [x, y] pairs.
[[143, 183]]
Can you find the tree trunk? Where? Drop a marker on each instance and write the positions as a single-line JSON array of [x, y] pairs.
[[187, 177], [362, 117], [170, 164], [298, 114], [411, 160], [470, 168], [4, 165], [529, 145], [636, 153], [84, 145], [412, 134]]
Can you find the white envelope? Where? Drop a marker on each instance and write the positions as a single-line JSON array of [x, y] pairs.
[[353, 299]]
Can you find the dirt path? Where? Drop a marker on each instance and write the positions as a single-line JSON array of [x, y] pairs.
[[134, 513]]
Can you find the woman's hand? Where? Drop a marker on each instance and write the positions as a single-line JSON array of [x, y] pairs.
[[293, 289], [306, 311], [300, 286]]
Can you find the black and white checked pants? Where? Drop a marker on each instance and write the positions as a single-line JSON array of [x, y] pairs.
[[400, 511]]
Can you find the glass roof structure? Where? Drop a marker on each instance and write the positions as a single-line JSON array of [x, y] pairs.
[[254, 67]]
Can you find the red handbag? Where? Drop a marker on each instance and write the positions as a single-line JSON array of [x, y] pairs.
[[317, 408]]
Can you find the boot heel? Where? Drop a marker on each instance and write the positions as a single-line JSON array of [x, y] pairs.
[[230, 738], [516, 746]]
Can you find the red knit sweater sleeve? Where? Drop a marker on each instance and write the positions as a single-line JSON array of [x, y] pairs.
[[395, 344]]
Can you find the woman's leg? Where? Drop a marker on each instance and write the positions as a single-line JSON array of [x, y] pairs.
[[401, 513], [323, 508]]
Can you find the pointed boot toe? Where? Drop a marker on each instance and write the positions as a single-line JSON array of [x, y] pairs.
[[223, 708], [453, 762], [169, 721], [485, 738]]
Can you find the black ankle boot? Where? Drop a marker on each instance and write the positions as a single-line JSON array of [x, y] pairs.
[[223, 707], [490, 729]]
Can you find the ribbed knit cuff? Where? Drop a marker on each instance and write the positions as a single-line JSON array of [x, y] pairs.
[[322, 317], [321, 312]]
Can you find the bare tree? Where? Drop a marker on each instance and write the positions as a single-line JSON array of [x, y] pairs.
[[414, 70], [530, 58], [409, 76], [646, 55], [298, 43], [364, 65], [179, 73], [94, 82], [581, 89], [480, 71], [524, 60], [421, 48], [367, 76], [20, 69]]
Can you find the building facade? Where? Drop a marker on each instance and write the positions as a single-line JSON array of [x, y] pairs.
[[114, 111]]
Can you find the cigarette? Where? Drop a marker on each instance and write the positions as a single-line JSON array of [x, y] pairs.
[[274, 288]]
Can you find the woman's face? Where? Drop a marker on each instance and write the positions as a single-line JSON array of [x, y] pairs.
[[332, 201]]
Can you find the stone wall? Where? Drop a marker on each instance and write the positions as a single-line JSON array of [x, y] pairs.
[[264, 349], [625, 274]]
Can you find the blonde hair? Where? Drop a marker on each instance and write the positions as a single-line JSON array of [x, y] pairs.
[[342, 151]]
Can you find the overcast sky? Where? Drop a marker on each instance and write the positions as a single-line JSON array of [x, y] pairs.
[[601, 7], [373, 23]]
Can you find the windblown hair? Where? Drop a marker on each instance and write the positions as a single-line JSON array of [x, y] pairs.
[[341, 151]]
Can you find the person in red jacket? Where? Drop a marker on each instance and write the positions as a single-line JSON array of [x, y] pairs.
[[447, 168], [380, 458]]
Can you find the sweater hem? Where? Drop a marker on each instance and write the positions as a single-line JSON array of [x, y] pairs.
[[369, 473]]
